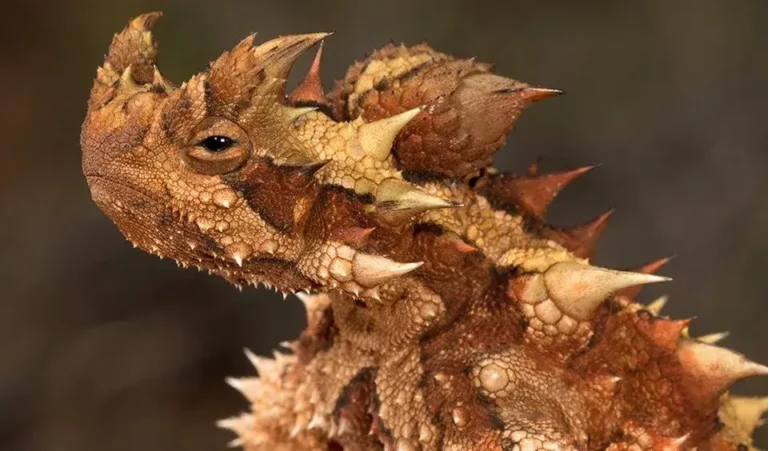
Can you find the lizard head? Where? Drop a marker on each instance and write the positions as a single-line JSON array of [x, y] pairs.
[[164, 162]]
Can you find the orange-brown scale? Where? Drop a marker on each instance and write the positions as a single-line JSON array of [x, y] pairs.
[[640, 349], [282, 195]]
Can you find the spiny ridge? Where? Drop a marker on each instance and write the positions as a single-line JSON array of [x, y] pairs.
[[446, 313]]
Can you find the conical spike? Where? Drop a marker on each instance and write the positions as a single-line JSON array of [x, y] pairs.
[[534, 193], [293, 113], [376, 138], [318, 421], [581, 240], [276, 57], [236, 443], [649, 268], [127, 84], [396, 194], [672, 443], [535, 93], [666, 333], [713, 369], [746, 411], [352, 235], [160, 83], [371, 270], [713, 338], [237, 424], [295, 159], [307, 170], [249, 387], [263, 365], [578, 290], [657, 306], [310, 89], [346, 427], [306, 299]]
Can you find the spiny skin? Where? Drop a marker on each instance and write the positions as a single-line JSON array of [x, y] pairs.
[[448, 314]]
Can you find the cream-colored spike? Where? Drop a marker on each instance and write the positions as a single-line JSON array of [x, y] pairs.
[[657, 305], [371, 270], [318, 421], [161, 82], [396, 194], [277, 55], [346, 427], [377, 137], [713, 338], [306, 299], [293, 113], [748, 411], [250, 387], [265, 366], [578, 289], [127, 83], [716, 367]]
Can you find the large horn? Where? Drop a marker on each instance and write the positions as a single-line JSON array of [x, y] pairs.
[[276, 58], [131, 59], [135, 47]]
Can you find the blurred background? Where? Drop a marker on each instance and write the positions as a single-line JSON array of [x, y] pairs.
[[103, 347]]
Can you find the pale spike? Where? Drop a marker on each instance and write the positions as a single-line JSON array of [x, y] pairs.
[[578, 289], [372, 293], [376, 138], [396, 194], [657, 306], [236, 443], [306, 299], [277, 55], [235, 383], [293, 113], [748, 410], [333, 430], [297, 428], [160, 81], [127, 84], [288, 345], [715, 368], [680, 441], [318, 421], [714, 338], [227, 423], [280, 358], [264, 365], [371, 270], [346, 427]]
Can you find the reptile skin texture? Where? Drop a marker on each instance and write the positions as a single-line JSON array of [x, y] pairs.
[[443, 312]]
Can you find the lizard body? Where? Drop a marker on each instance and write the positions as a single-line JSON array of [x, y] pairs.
[[447, 313]]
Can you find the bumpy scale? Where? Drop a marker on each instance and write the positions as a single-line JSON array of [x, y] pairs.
[[448, 315]]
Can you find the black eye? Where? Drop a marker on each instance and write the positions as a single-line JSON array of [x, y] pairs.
[[217, 143]]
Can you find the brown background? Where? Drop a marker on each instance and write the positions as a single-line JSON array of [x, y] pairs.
[[106, 348]]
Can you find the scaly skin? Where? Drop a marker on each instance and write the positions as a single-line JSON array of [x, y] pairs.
[[447, 314]]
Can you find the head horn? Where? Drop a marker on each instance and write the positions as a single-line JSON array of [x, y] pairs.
[[133, 55]]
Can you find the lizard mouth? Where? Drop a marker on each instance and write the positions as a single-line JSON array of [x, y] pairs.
[[105, 189]]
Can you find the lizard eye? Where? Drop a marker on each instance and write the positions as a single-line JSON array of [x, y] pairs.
[[219, 146], [217, 143]]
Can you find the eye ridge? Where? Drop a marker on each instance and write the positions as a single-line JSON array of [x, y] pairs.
[[217, 143]]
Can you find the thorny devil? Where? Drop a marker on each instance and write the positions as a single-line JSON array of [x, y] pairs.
[[446, 314]]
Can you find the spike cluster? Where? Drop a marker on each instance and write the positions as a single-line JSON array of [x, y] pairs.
[[449, 315]]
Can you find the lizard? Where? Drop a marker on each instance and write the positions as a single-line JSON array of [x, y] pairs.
[[443, 312]]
